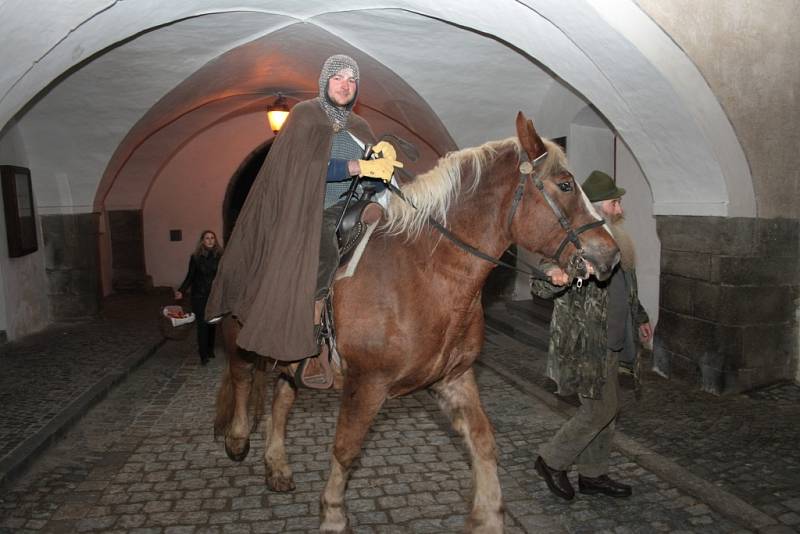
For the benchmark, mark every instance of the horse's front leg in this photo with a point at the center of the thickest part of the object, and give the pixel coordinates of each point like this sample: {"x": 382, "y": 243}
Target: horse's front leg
{"x": 459, "y": 398}
{"x": 276, "y": 463}
{"x": 234, "y": 396}
{"x": 361, "y": 400}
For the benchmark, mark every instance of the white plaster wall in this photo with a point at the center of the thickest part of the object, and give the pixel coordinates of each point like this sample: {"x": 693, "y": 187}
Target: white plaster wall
{"x": 571, "y": 39}
{"x": 556, "y": 110}
{"x": 26, "y": 291}
{"x": 746, "y": 51}
{"x": 189, "y": 191}
{"x": 641, "y": 224}
{"x": 23, "y": 284}
{"x": 590, "y": 148}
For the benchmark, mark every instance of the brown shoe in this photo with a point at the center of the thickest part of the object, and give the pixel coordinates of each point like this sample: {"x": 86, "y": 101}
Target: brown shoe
{"x": 556, "y": 480}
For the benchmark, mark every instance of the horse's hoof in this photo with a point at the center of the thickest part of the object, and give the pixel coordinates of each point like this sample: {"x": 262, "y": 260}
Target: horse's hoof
{"x": 240, "y": 456}
{"x": 333, "y": 519}
{"x": 278, "y": 482}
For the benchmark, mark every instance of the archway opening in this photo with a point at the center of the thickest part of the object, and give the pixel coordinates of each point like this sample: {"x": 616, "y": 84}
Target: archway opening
{"x": 239, "y": 187}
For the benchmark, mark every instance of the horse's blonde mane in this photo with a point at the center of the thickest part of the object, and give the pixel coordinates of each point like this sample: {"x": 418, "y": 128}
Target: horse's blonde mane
{"x": 434, "y": 191}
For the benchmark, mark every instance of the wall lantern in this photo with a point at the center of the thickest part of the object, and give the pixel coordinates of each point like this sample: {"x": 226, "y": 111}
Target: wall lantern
{"x": 277, "y": 113}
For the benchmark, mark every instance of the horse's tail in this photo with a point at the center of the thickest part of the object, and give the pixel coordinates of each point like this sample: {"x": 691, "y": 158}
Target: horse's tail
{"x": 241, "y": 368}
{"x": 258, "y": 392}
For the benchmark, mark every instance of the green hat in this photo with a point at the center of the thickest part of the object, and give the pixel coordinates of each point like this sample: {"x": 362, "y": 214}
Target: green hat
{"x": 600, "y": 186}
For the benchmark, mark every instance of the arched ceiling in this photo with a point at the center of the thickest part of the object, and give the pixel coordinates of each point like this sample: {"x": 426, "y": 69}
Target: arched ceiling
{"x": 91, "y": 83}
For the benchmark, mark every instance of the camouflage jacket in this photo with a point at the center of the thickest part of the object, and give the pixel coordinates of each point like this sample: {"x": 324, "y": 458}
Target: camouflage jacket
{"x": 577, "y": 359}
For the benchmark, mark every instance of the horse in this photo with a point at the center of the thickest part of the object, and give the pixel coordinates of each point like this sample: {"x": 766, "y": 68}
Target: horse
{"x": 411, "y": 316}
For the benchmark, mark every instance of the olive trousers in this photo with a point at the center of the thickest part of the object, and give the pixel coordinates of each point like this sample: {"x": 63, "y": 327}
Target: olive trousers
{"x": 585, "y": 440}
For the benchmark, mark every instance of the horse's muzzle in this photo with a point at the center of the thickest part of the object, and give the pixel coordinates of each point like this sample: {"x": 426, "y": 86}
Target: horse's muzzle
{"x": 602, "y": 269}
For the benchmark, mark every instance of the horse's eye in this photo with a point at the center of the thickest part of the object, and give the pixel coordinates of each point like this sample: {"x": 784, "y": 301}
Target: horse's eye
{"x": 565, "y": 187}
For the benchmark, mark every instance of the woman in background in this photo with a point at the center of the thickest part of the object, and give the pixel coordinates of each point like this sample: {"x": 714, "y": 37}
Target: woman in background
{"x": 202, "y": 269}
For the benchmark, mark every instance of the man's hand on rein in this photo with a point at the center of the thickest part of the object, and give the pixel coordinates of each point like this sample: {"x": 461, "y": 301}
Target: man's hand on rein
{"x": 557, "y": 276}
{"x": 381, "y": 168}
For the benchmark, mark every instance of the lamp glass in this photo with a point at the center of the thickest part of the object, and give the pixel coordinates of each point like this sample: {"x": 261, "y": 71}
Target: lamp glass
{"x": 276, "y": 119}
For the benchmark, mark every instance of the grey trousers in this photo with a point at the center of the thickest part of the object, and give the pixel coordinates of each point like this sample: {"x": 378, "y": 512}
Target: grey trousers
{"x": 585, "y": 439}
{"x": 328, "y": 249}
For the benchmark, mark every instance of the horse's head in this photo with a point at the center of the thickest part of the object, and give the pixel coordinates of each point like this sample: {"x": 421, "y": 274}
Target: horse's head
{"x": 553, "y": 216}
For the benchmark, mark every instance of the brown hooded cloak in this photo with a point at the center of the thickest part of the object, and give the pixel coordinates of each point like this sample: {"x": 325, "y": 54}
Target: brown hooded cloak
{"x": 267, "y": 276}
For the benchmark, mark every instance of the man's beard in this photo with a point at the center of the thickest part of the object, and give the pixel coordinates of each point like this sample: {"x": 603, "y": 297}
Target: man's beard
{"x": 627, "y": 252}
{"x": 344, "y": 105}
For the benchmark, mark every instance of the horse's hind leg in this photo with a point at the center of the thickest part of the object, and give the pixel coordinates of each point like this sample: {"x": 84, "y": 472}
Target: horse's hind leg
{"x": 361, "y": 400}
{"x": 278, "y": 472}
{"x": 459, "y": 398}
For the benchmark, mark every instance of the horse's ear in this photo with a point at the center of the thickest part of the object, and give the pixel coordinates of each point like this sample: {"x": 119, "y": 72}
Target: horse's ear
{"x": 528, "y": 137}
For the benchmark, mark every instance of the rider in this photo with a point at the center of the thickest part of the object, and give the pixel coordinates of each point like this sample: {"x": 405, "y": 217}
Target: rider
{"x": 282, "y": 253}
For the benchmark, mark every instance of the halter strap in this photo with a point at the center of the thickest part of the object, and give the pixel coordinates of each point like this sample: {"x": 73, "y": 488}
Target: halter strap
{"x": 527, "y": 168}
{"x": 527, "y": 171}
{"x": 523, "y": 177}
{"x": 532, "y": 271}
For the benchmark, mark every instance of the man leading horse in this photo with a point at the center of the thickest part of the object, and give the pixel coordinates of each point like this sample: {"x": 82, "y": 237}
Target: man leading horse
{"x": 283, "y": 252}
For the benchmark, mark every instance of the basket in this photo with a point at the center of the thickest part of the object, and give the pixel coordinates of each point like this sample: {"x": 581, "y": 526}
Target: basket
{"x": 172, "y": 327}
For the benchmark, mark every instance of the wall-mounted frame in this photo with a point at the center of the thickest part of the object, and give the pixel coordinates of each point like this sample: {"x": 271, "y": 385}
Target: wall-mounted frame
{"x": 20, "y": 215}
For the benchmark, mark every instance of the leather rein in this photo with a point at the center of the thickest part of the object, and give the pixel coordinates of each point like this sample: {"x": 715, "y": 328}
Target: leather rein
{"x": 526, "y": 169}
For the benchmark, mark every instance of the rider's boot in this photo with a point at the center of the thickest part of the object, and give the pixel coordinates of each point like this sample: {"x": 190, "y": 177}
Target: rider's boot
{"x": 316, "y": 372}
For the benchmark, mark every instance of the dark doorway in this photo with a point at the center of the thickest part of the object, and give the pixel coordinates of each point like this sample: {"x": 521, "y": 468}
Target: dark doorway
{"x": 499, "y": 287}
{"x": 239, "y": 186}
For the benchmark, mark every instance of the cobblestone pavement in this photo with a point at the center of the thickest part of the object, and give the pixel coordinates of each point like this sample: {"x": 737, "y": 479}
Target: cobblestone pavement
{"x": 145, "y": 460}
{"x": 747, "y": 445}
{"x": 49, "y": 378}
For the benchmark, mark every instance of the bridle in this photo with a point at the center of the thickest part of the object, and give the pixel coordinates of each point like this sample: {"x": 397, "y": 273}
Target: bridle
{"x": 526, "y": 169}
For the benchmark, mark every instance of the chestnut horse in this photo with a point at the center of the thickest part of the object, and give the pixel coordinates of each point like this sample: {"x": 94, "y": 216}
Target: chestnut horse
{"x": 411, "y": 317}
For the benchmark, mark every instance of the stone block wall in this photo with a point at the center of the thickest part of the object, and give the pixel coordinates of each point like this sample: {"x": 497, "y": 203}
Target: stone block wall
{"x": 729, "y": 300}
{"x": 72, "y": 264}
{"x": 127, "y": 251}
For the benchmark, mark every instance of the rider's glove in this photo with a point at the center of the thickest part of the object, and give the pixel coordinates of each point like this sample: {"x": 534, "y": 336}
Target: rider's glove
{"x": 382, "y": 168}
{"x": 384, "y": 149}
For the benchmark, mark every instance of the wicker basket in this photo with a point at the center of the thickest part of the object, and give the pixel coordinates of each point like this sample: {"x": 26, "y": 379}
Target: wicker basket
{"x": 177, "y": 329}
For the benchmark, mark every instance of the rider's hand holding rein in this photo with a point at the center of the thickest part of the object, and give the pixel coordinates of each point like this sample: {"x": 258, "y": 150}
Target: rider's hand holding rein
{"x": 384, "y": 149}
{"x": 382, "y": 167}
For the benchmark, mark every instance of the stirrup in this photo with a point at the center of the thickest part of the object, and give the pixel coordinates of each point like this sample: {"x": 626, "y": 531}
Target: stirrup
{"x": 316, "y": 376}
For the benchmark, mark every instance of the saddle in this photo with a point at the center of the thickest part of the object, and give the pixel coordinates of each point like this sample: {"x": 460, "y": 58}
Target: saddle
{"x": 320, "y": 371}
{"x": 357, "y": 219}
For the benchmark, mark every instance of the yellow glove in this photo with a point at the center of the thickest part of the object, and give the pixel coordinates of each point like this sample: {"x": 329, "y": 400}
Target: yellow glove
{"x": 381, "y": 168}
{"x": 384, "y": 149}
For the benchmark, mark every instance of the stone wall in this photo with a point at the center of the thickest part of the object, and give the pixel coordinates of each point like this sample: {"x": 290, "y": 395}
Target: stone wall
{"x": 127, "y": 251}
{"x": 72, "y": 264}
{"x": 728, "y": 300}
